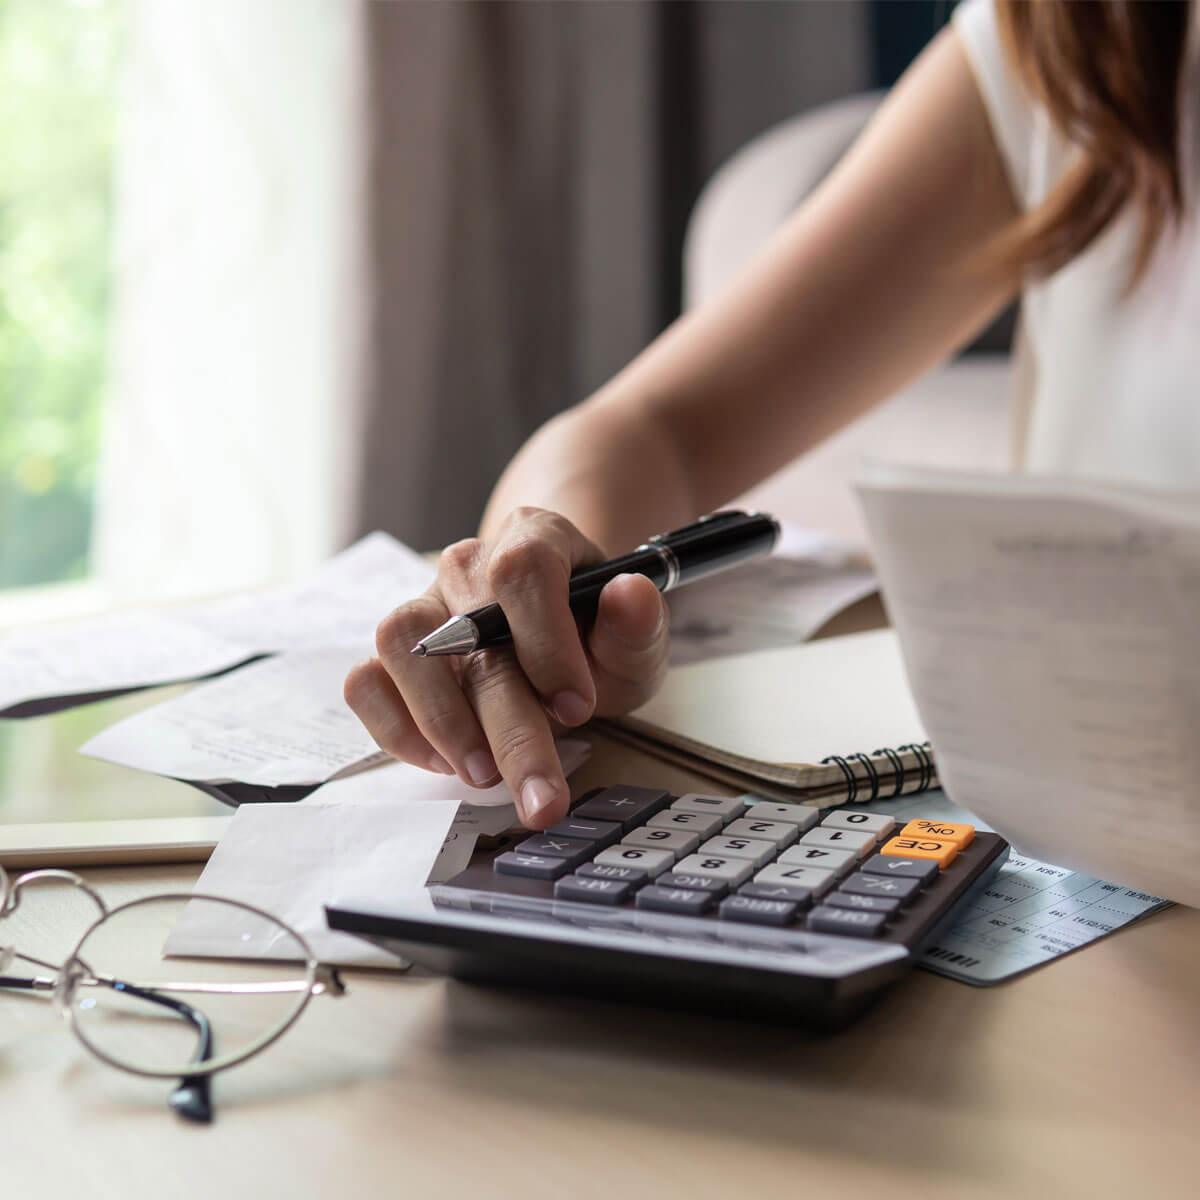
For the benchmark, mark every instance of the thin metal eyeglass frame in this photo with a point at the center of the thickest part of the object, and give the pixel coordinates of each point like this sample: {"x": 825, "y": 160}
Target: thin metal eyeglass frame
{"x": 318, "y": 980}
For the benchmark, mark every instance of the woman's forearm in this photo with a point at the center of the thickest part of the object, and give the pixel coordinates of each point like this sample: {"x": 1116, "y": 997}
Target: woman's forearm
{"x": 863, "y": 289}
{"x": 608, "y": 467}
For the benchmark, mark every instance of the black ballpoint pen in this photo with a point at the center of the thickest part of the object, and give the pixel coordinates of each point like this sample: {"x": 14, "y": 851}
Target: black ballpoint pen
{"x": 713, "y": 543}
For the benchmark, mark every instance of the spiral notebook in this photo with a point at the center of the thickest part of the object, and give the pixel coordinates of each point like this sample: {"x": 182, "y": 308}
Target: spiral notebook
{"x": 822, "y": 722}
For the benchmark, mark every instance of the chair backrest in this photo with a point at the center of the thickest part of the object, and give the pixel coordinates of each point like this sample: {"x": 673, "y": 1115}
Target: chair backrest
{"x": 956, "y": 416}
{"x": 753, "y": 193}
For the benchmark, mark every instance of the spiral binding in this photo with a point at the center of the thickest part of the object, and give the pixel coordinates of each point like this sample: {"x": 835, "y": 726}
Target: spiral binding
{"x": 899, "y": 774}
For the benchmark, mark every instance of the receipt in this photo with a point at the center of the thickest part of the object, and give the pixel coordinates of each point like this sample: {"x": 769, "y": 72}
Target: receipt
{"x": 340, "y": 603}
{"x": 774, "y": 601}
{"x": 55, "y": 666}
{"x": 280, "y": 721}
{"x": 378, "y": 834}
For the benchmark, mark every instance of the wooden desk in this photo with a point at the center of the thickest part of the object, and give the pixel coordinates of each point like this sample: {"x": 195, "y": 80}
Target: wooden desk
{"x": 1076, "y": 1080}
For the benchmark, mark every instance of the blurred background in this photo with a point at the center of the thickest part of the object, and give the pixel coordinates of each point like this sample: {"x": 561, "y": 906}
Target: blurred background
{"x": 277, "y": 272}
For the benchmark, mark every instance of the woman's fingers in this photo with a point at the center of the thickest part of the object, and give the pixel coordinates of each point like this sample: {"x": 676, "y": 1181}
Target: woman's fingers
{"x": 490, "y": 715}
{"x": 628, "y": 644}
{"x": 373, "y": 698}
{"x": 431, "y": 691}
{"x": 519, "y": 733}
{"x": 529, "y": 569}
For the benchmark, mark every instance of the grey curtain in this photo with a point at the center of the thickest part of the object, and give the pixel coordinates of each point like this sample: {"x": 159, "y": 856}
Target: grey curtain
{"x": 531, "y": 170}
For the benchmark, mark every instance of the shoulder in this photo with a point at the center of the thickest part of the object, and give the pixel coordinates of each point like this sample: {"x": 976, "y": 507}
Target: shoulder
{"x": 1017, "y": 120}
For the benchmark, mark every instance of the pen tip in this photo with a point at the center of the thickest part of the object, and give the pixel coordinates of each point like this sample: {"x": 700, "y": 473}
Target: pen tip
{"x": 418, "y": 650}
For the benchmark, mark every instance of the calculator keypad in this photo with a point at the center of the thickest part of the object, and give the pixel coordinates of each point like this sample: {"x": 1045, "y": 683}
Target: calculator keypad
{"x": 653, "y": 862}
{"x": 751, "y": 849}
{"x": 628, "y": 806}
{"x": 679, "y": 841}
{"x": 724, "y": 858}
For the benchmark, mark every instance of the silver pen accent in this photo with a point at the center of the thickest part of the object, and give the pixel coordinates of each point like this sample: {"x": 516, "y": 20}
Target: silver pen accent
{"x": 712, "y": 543}
{"x": 459, "y": 635}
{"x": 669, "y": 560}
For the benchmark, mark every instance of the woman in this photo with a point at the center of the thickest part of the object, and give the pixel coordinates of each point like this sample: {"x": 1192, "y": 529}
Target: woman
{"x": 1043, "y": 147}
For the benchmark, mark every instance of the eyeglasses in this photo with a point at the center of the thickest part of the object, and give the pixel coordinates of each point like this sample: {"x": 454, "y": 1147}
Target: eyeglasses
{"x": 130, "y": 1002}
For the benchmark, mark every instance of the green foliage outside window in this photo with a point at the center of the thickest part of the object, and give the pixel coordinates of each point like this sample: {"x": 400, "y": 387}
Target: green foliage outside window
{"x": 58, "y": 93}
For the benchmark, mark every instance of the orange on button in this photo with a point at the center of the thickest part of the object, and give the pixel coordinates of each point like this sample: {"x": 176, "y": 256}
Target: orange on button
{"x": 942, "y": 853}
{"x": 942, "y": 831}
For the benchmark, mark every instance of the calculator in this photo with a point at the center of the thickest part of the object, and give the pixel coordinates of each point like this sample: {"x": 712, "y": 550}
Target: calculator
{"x": 733, "y": 904}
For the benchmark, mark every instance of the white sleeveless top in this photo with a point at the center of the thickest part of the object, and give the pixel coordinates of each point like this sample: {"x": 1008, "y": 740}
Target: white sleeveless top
{"x": 1108, "y": 384}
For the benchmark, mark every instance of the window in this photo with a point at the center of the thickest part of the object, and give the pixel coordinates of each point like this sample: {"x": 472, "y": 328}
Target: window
{"x": 58, "y": 76}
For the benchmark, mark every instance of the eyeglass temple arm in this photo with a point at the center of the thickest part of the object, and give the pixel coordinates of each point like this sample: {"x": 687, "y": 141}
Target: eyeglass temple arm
{"x": 192, "y": 1099}
{"x": 42, "y": 983}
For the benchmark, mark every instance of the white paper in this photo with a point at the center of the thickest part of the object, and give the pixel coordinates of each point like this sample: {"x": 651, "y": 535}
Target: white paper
{"x": 378, "y": 835}
{"x": 774, "y": 601}
{"x": 290, "y": 860}
{"x": 490, "y": 810}
{"x": 1050, "y": 635}
{"x": 116, "y": 651}
{"x": 341, "y": 603}
{"x": 279, "y": 721}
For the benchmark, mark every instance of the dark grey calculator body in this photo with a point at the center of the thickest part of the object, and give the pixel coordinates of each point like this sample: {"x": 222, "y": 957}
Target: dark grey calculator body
{"x": 714, "y": 903}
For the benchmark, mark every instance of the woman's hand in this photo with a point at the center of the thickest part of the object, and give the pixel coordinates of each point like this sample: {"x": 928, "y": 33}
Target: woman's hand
{"x": 494, "y": 713}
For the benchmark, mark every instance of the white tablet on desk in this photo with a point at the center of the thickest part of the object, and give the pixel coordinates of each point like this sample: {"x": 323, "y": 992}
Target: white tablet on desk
{"x": 60, "y": 809}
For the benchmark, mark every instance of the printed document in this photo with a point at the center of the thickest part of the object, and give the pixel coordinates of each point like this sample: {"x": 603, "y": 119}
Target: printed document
{"x": 768, "y": 602}
{"x": 1049, "y": 629}
{"x": 280, "y": 721}
{"x": 57, "y": 665}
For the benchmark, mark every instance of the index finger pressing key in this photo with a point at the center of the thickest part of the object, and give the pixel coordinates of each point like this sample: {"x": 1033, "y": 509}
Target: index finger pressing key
{"x": 520, "y": 735}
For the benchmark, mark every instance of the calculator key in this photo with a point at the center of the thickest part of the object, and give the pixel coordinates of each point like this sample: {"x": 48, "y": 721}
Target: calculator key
{"x": 757, "y": 911}
{"x": 942, "y": 853}
{"x": 801, "y": 897}
{"x": 653, "y": 862}
{"x": 593, "y": 891}
{"x": 531, "y": 866}
{"x": 631, "y": 875}
{"x": 698, "y": 883}
{"x": 923, "y": 869}
{"x": 726, "y": 807}
{"x": 704, "y": 825}
{"x": 803, "y": 816}
{"x": 675, "y": 900}
{"x": 572, "y": 849}
{"x": 840, "y": 839}
{"x": 817, "y": 881}
{"x": 879, "y": 904}
{"x": 782, "y": 833}
{"x": 895, "y": 887}
{"x": 757, "y": 852}
{"x": 678, "y": 841}
{"x": 878, "y": 824}
{"x": 826, "y": 919}
{"x": 959, "y": 835}
{"x": 828, "y": 859}
{"x": 599, "y": 833}
{"x": 716, "y": 866}
{"x": 629, "y": 806}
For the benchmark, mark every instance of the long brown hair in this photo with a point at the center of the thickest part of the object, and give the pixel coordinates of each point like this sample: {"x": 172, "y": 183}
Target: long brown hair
{"x": 1109, "y": 73}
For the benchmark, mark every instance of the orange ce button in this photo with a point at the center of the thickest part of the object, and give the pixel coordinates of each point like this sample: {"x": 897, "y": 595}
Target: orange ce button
{"x": 943, "y": 853}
